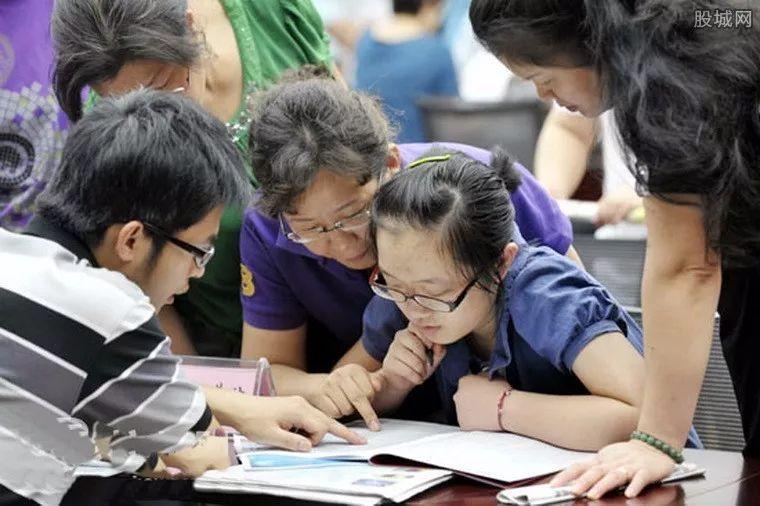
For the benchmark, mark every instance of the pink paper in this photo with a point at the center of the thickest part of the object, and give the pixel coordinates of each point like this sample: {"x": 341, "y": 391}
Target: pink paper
{"x": 232, "y": 378}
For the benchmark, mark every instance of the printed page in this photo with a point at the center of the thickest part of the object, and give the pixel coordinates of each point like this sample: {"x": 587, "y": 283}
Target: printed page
{"x": 205, "y": 485}
{"x": 393, "y": 432}
{"x": 353, "y": 478}
{"x": 494, "y": 455}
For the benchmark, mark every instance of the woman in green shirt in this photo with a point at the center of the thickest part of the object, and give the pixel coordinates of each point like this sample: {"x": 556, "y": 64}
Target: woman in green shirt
{"x": 216, "y": 51}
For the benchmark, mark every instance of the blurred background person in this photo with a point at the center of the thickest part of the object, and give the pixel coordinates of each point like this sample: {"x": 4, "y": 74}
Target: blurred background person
{"x": 564, "y": 157}
{"x": 345, "y": 21}
{"x": 404, "y": 58}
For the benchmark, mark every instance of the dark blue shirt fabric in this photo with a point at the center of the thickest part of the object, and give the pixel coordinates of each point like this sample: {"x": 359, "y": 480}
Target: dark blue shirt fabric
{"x": 401, "y": 73}
{"x": 551, "y": 309}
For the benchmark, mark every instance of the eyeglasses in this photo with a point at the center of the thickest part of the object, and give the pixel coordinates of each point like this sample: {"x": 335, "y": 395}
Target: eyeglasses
{"x": 431, "y": 303}
{"x": 200, "y": 255}
{"x": 353, "y": 222}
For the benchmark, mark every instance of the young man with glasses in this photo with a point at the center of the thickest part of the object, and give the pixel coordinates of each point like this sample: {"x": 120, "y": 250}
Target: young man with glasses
{"x": 130, "y": 216}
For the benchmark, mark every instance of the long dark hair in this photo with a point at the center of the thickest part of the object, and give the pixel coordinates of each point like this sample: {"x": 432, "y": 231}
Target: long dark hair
{"x": 539, "y": 32}
{"x": 467, "y": 201}
{"x": 686, "y": 99}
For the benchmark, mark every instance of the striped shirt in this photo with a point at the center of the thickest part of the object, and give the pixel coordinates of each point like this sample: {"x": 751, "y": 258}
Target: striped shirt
{"x": 81, "y": 358}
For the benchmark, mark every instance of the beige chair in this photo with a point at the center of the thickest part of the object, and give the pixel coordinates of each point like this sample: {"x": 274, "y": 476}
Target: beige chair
{"x": 717, "y": 418}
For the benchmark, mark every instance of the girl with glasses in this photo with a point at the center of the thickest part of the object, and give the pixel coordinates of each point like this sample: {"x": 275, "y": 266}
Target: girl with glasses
{"x": 522, "y": 339}
{"x": 320, "y": 152}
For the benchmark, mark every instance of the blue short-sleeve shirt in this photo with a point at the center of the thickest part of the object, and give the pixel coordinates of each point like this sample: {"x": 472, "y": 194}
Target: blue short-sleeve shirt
{"x": 399, "y": 73}
{"x": 284, "y": 285}
{"x": 551, "y": 309}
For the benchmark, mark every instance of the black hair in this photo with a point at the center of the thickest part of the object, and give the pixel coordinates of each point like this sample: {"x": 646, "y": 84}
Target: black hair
{"x": 151, "y": 156}
{"x": 686, "y": 99}
{"x": 94, "y": 38}
{"x": 301, "y": 127}
{"x": 407, "y": 6}
{"x": 538, "y": 32}
{"x": 467, "y": 201}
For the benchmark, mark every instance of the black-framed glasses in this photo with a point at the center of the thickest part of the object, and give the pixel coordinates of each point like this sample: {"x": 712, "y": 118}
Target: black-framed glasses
{"x": 376, "y": 281}
{"x": 200, "y": 255}
{"x": 353, "y": 222}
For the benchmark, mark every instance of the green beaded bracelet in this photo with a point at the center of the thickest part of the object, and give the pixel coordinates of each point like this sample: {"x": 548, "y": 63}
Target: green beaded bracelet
{"x": 659, "y": 444}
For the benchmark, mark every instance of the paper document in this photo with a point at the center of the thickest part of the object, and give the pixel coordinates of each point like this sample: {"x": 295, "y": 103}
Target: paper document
{"x": 393, "y": 432}
{"x": 358, "y": 479}
{"x": 493, "y": 455}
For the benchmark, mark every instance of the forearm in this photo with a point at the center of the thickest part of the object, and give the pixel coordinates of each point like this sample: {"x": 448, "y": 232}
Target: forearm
{"x": 208, "y": 453}
{"x": 678, "y": 325}
{"x": 359, "y": 355}
{"x": 680, "y": 292}
{"x": 579, "y": 422}
{"x": 390, "y": 398}
{"x": 562, "y": 152}
{"x": 292, "y": 381}
{"x": 225, "y": 406}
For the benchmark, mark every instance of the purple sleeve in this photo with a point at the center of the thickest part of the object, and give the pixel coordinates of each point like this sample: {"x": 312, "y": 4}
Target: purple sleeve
{"x": 538, "y": 215}
{"x": 268, "y": 301}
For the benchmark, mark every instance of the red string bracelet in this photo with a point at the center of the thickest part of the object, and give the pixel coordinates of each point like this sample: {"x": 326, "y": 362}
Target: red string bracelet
{"x": 500, "y": 406}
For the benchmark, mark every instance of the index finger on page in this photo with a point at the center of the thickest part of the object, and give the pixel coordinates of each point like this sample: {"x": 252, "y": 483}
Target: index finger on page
{"x": 343, "y": 432}
{"x": 367, "y": 412}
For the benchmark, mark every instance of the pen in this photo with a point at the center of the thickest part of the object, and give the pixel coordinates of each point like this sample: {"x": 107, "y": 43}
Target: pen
{"x": 429, "y": 355}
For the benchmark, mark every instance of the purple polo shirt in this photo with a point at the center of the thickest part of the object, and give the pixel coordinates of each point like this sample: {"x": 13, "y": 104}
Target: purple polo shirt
{"x": 284, "y": 284}
{"x": 32, "y": 125}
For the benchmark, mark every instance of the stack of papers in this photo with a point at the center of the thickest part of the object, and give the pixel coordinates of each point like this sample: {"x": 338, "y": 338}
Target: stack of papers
{"x": 336, "y": 471}
{"x": 322, "y": 480}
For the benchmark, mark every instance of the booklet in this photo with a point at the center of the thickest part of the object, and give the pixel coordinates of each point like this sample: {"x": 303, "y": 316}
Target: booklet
{"x": 344, "y": 482}
{"x": 496, "y": 457}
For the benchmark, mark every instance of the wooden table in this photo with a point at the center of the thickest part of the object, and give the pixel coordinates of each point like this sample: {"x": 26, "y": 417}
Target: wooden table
{"x": 730, "y": 480}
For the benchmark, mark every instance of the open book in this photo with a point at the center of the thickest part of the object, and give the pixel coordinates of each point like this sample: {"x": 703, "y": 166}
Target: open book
{"x": 495, "y": 457}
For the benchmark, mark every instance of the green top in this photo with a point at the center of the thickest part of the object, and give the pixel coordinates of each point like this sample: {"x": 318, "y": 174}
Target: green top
{"x": 272, "y": 36}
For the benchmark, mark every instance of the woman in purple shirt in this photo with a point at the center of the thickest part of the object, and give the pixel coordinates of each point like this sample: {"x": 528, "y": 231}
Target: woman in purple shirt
{"x": 320, "y": 152}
